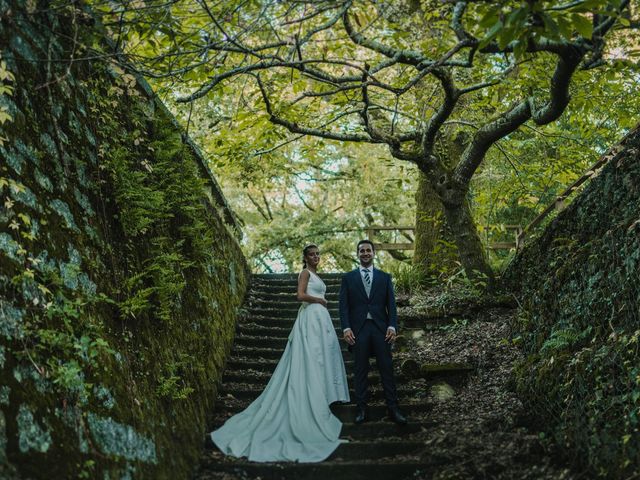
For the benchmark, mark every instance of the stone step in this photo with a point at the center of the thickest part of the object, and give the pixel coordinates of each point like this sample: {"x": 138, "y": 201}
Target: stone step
{"x": 284, "y": 311}
{"x": 267, "y": 353}
{"x": 289, "y": 302}
{"x": 293, "y": 284}
{"x": 383, "y": 428}
{"x": 262, "y": 364}
{"x": 282, "y": 319}
{"x": 345, "y": 412}
{"x": 288, "y": 288}
{"x": 377, "y": 410}
{"x": 261, "y": 378}
{"x": 252, "y": 391}
{"x": 250, "y": 365}
{"x": 257, "y": 330}
{"x": 374, "y": 450}
{"x": 293, "y": 277}
{"x": 285, "y": 320}
{"x": 288, "y": 297}
{"x": 426, "y": 323}
{"x": 335, "y": 470}
{"x": 452, "y": 373}
{"x": 280, "y": 322}
{"x": 269, "y": 342}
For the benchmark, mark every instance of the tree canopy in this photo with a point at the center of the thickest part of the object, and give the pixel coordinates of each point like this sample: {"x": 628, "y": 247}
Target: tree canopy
{"x": 398, "y": 74}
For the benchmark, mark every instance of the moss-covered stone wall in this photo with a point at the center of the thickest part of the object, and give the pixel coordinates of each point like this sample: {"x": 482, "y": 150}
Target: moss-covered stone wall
{"x": 579, "y": 284}
{"x": 120, "y": 269}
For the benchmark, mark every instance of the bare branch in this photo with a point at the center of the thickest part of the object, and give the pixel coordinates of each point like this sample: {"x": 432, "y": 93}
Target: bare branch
{"x": 410, "y": 57}
{"x": 261, "y": 211}
{"x": 451, "y": 95}
{"x": 295, "y": 128}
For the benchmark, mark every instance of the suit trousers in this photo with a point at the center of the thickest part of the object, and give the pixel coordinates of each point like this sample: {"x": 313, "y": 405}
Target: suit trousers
{"x": 370, "y": 340}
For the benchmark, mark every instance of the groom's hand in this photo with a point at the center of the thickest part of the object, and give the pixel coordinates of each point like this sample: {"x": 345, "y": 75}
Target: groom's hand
{"x": 390, "y": 337}
{"x": 349, "y": 337}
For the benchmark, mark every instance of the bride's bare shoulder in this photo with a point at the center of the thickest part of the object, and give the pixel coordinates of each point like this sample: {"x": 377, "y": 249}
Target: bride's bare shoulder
{"x": 304, "y": 275}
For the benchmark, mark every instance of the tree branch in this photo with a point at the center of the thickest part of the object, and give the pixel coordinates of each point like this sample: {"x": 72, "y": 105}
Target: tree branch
{"x": 434, "y": 124}
{"x": 509, "y": 121}
{"x": 295, "y": 128}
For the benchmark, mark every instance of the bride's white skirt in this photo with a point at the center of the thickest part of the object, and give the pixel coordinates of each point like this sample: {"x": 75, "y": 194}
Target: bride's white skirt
{"x": 291, "y": 420}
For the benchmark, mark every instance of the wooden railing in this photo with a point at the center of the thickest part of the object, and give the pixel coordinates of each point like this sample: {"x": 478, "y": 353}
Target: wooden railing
{"x": 373, "y": 230}
{"x": 561, "y": 200}
{"x": 508, "y": 245}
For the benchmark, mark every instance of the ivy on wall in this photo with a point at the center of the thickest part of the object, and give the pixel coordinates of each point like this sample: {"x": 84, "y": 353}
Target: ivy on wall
{"x": 119, "y": 279}
{"x": 580, "y": 322}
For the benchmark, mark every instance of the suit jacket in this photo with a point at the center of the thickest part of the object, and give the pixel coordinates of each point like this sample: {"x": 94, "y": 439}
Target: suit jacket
{"x": 355, "y": 305}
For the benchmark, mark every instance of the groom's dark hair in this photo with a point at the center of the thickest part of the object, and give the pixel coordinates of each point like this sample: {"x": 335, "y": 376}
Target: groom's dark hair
{"x": 373, "y": 247}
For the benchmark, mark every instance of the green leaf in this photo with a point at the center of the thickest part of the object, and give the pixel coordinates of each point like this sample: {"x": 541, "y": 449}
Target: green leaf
{"x": 583, "y": 25}
{"x": 551, "y": 27}
{"x": 588, "y": 6}
{"x": 519, "y": 49}
{"x": 517, "y": 18}
{"x": 505, "y": 36}
{"x": 565, "y": 27}
{"x": 491, "y": 34}
{"x": 489, "y": 18}
{"x": 624, "y": 21}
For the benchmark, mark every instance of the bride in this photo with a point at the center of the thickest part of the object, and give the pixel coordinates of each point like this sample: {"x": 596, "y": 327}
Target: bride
{"x": 291, "y": 420}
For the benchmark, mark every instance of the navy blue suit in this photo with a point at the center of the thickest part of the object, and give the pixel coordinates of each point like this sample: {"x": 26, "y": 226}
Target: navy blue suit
{"x": 355, "y": 306}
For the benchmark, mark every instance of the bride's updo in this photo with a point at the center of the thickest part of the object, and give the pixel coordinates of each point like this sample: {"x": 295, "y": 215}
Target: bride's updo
{"x": 305, "y": 250}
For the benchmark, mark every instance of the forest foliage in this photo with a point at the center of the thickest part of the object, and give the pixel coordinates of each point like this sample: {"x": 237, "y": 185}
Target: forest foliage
{"x": 291, "y": 188}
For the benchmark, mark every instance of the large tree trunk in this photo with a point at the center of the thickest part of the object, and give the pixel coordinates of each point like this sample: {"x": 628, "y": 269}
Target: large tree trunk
{"x": 435, "y": 246}
{"x": 470, "y": 248}
{"x": 434, "y": 250}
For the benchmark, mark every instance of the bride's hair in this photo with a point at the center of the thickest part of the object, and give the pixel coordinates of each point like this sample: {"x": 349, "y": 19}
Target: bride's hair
{"x": 305, "y": 250}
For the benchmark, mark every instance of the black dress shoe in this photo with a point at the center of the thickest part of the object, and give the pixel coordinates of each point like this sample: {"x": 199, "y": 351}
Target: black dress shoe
{"x": 361, "y": 415}
{"x": 397, "y": 416}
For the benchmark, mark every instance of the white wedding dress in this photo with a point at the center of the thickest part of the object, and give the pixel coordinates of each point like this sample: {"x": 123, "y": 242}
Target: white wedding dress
{"x": 291, "y": 420}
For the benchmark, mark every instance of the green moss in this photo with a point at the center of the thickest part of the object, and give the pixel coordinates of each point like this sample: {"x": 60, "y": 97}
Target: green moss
{"x": 5, "y": 390}
{"x": 114, "y": 438}
{"x": 83, "y": 201}
{"x": 128, "y": 282}
{"x": 31, "y": 435}
{"x": 72, "y": 418}
{"x": 104, "y": 395}
{"x": 27, "y": 372}
{"x": 578, "y": 284}
{"x": 3, "y": 441}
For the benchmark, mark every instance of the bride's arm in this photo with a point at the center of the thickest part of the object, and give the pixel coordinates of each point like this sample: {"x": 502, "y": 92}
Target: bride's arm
{"x": 303, "y": 281}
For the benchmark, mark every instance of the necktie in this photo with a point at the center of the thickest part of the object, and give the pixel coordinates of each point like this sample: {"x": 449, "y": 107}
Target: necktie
{"x": 367, "y": 277}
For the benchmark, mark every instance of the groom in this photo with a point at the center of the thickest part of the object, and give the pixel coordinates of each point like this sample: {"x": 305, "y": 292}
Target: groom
{"x": 369, "y": 322}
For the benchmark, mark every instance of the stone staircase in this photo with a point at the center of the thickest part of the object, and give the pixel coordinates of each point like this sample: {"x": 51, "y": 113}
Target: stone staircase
{"x": 377, "y": 449}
